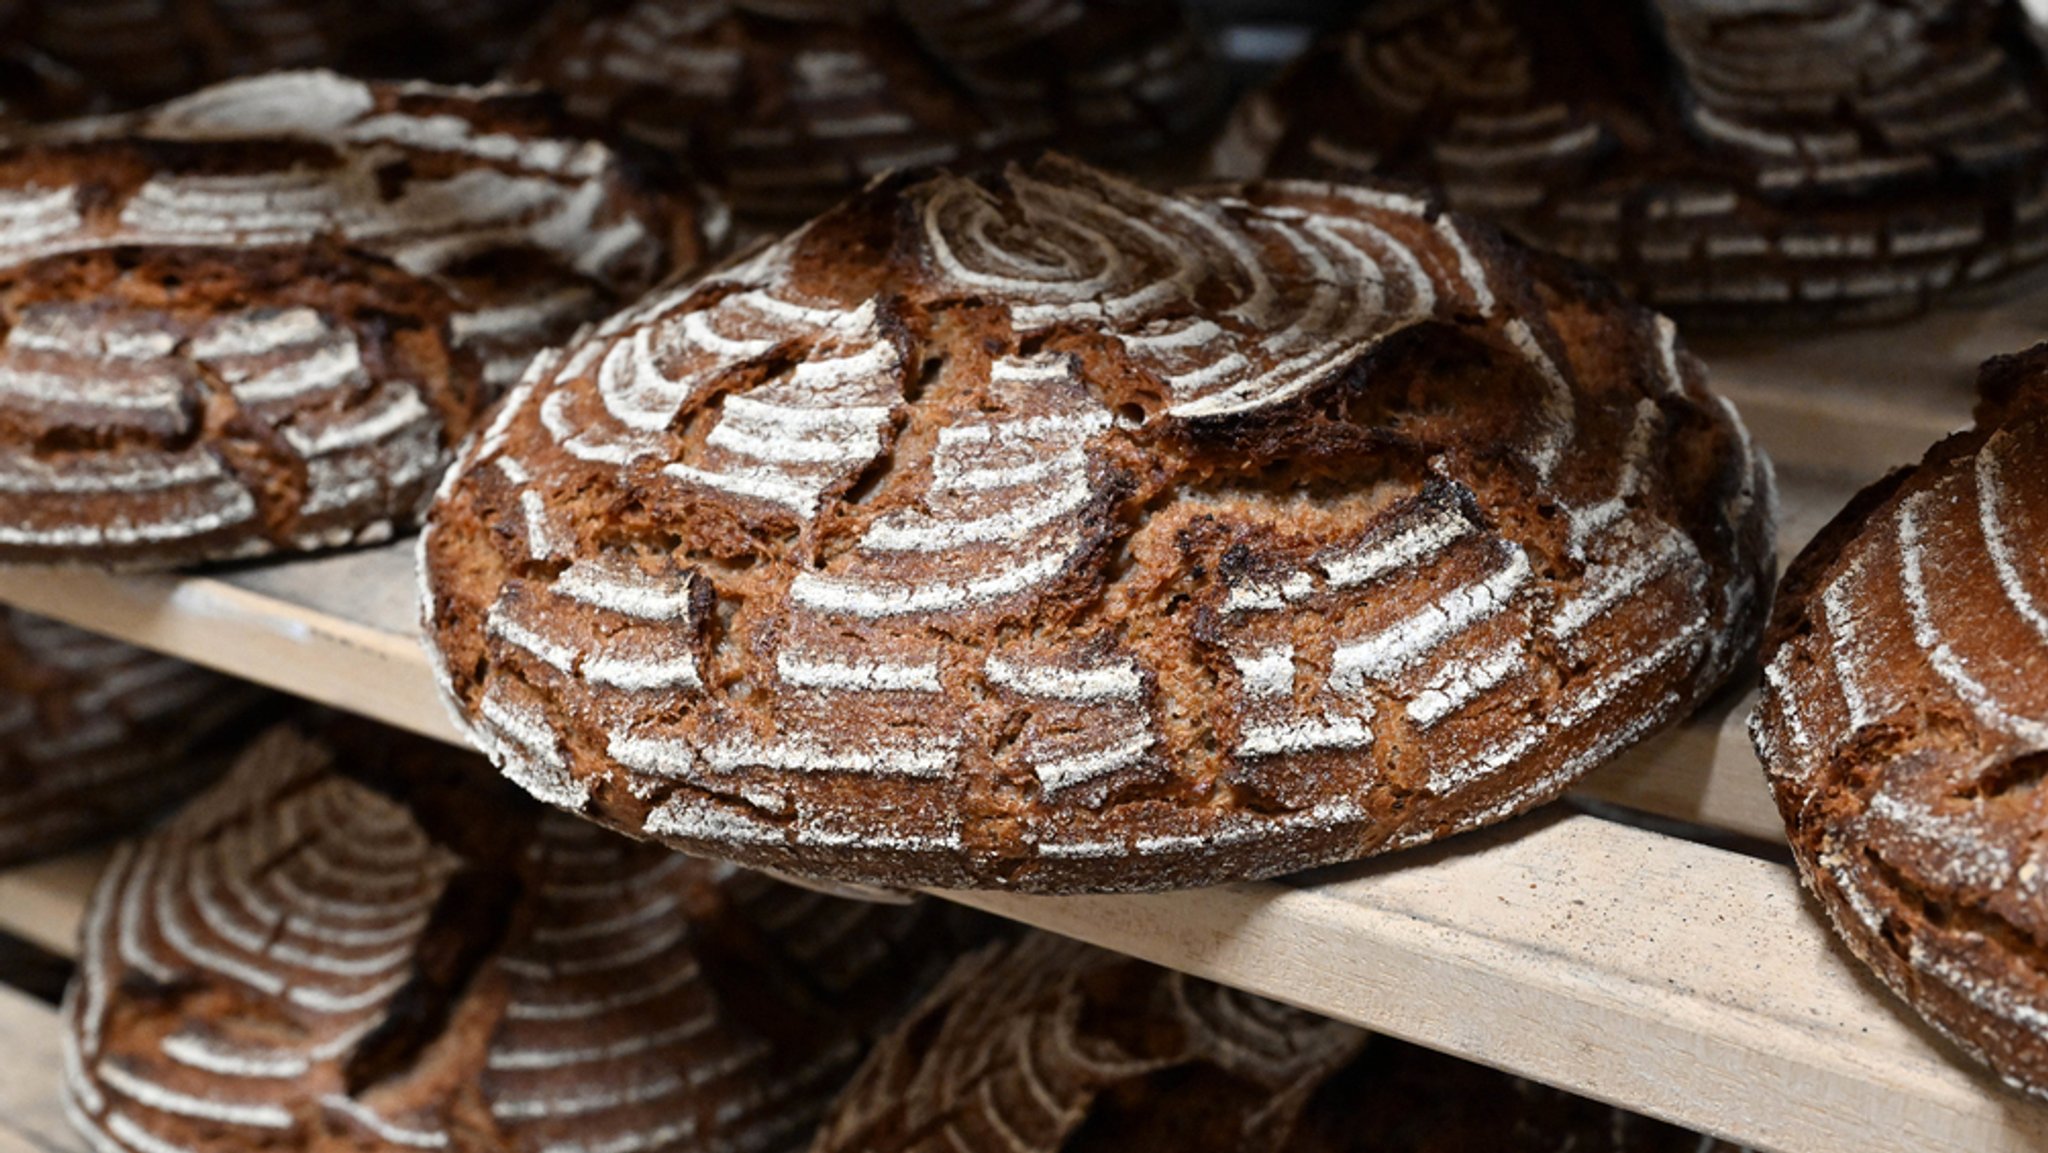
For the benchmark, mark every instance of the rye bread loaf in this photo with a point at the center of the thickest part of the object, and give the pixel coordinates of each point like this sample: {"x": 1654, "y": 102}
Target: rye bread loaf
{"x": 166, "y": 405}
{"x": 790, "y": 106}
{"x": 1049, "y": 1046}
{"x": 143, "y": 50}
{"x": 97, "y": 736}
{"x": 1041, "y": 531}
{"x": 534, "y": 227}
{"x": 301, "y": 961}
{"x": 1904, "y": 724}
{"x": 1795, "y": 161}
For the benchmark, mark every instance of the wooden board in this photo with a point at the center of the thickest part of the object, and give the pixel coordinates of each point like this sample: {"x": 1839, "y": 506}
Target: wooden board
{"x": 31, "y": 1118}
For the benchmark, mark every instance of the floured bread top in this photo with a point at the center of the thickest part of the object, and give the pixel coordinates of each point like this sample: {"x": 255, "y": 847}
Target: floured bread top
{"x": 791, "y": 105}
{"x": 1050, "y": 1046}
{"x": 95, "y": 735}
{"x": 1046, "y": 532}
{"x": 1904, "y": 722}
{"x": 1798, "y": 159}
{"x": 1047, "y": 1044}
{"x": 166, "y": 405}
{"x": 303, "y": 963}
{"x": 142, "y": 50}
{"x": 534, "y": 229}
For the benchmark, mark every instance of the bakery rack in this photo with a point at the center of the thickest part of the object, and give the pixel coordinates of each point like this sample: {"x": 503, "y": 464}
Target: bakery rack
{"x": 1666, "y": 961}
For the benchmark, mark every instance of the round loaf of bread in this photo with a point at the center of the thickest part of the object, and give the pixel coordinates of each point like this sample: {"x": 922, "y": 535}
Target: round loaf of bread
{"x": 534, "y": 228}
{"x": 96, "y": 736}
{"x": 1904, "y": 723}
{"x": 143, "y": 50}
{"x": 165, "y": 405}
{"x": 791, "y": 105}
{"x": 1045, "y": 1045}
{"x": 1799, "y": 161}
{"x": 1041, "y": 531}
{"x": 300, "y": 962}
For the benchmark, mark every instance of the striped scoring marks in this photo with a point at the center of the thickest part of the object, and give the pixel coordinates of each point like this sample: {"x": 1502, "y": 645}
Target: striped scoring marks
{"x": 250, "y": 973}
{"x": 150, "y": 433}
{"x": 295, "y": 895}
{"x": 1019, "y": 1049}
{"x": 1797, "y": 171}
{"x": 95, "y": 735}
{"x": 484, "y": 189}
{"x": 1904, "y": 719}
{"x": 1012, "y": 570}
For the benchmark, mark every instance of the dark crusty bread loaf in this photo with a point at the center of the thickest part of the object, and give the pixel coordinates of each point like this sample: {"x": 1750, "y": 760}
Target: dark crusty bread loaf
{"x": 298, "y": 962}
{"x": 1045, "y": 1044}
{"x": 1904, "y": 723}
{"x": 97, "y": 736}
{"x": 1044, "y": 532}
{"x": 790, "y": 106}
{"x": 142, "y": 50}
{"x": 1795, "y": 161}
{"x": 1049, "y": 1046}
{"x": 534, "y": 227}
{"x": 165, "y": 405}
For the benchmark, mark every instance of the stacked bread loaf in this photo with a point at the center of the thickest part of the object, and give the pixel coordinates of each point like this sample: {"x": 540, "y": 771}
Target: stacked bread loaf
{"x": 1779, "y": 162}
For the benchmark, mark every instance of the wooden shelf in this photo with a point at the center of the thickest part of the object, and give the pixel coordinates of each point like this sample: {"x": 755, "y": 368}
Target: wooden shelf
{"x": 31, "y": 1116}
{"x": 1644, "y": 968}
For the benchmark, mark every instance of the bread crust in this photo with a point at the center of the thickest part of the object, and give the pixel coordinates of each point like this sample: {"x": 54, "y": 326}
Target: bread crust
{"x": 1039, "y": 531}
{"x": 1904, "y": 717}
{"x": 303, "y": 960}
{"x": 97, "y": 736}
{"x": 789, "y": 105}
{"x": 1820, "y": 162}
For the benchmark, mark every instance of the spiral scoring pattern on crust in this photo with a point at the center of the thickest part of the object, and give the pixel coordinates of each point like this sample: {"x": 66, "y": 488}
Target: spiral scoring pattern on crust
{"x": 1904, "y": 723}
{"x": 247, "y": 970}
{"x": 96, "y": 735}
{"x": 534, "y": 229}
{"x": 1021, "y": 1043}
{"x": 793, "y": 105}
{"x": 1050, "y": 1046}
{"x": 1052, "y": 533}
{"x": 197, "y": 368}
{"x": 1808, "y": 158}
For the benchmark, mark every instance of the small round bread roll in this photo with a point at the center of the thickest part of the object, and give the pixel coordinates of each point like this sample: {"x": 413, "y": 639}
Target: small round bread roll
{"x": 1753, "y": 164}
{"x": 96, "y": 736}
{"x": 1040, "y": 531}
{"x": 1045, "y": 1045}
{"x": 789, "y": 106}
{"x": 1904, "y": 724}
{"x": 300, "y": 961}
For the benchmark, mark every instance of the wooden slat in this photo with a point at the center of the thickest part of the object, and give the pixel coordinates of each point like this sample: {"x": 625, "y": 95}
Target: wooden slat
{"x": 31, "y": 1117}
{"x": 1677, "y": 979}
{"x": 44, "y": 902}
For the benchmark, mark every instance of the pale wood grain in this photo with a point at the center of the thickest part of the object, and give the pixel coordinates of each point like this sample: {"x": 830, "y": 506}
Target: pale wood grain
{"x": 1677, "y": 979}
{"x": 31, "y": 1117}
{"x": 43, "y": 903}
